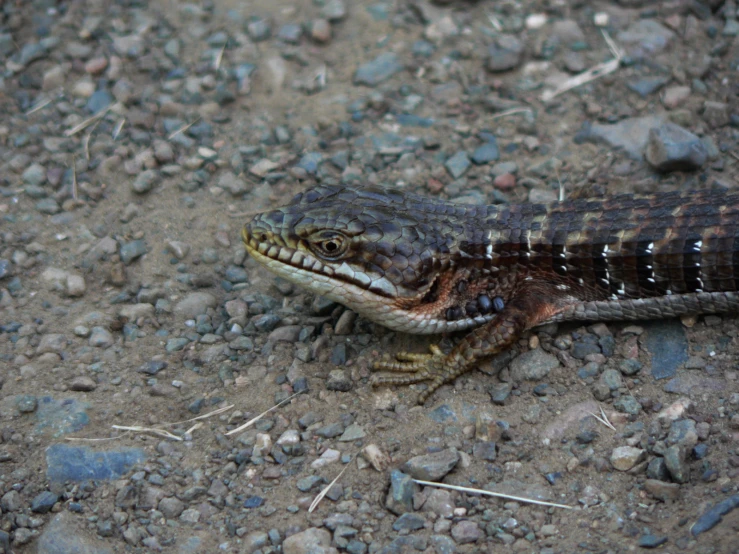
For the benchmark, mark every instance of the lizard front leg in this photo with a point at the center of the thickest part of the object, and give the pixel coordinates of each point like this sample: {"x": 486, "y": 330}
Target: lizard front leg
{"x": 439, "y": 368}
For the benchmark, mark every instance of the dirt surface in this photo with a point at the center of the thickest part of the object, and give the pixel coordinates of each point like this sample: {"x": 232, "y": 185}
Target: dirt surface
{"x": 136, "y": 139}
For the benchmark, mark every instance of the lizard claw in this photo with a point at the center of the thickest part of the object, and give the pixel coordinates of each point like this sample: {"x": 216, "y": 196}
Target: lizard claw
{"x": 433, "y": 367}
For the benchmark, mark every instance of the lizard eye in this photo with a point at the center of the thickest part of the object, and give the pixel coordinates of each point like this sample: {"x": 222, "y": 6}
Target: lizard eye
{"x": 329, "y": 244}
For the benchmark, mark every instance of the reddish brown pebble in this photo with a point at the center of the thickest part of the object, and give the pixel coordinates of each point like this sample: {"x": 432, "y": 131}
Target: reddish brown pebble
{"x": 506, "y": 181}
{"x": 96, "y": 65}
{"x": 434, "y": 185}
{"x": 320, "y": 30}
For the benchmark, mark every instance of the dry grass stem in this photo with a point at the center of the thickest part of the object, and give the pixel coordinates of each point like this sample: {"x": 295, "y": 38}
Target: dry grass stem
{"x": 603, "y": 418}
{"x": 40, "y": 106}
{"x": 118, "y": 128}
{"x": 595, "y": 72}
{"x": 75, "y": 194}
{"x": 182, "y": 129}
{"x": 88, "y": 136}
{"x": 325, "y": 490}
{"x": 260, "y": 416}
{"x": 89, "y": 121}
{"x": 219, "y": 58}
{"x": 153, "y": 430}
{"x": 512, "y": 111}
{"x": 495, "y": 494}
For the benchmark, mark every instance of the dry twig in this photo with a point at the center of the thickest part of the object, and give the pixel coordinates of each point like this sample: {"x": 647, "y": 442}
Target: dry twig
{"x": 490, "y": 493}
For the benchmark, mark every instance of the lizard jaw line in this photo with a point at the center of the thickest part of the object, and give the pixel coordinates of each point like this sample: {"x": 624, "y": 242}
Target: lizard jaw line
{"x": 377, "y": 308}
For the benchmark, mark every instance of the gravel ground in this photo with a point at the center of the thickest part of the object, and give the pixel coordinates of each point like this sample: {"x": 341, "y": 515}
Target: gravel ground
{"x": 136, "y": 139}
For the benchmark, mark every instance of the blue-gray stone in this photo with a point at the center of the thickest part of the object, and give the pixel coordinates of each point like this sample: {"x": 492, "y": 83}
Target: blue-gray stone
{"x": 290, "y": 32}
{"x": 647, "y": 85}
{"x": 310, "y": 162}
{"x": 423, "y": 49}
{"x": 710, "y": 518}
{"x": 43, "y": 502}
{"x": 66, "y": 462}
{"x": 443, "y": 414}
{"x": 652, "y": 541}
{"x": 99, "y": 100}
{"x": 258, "y": 29}
{"x": 64, "y": 534}
{"x": 411, "y": 120}
{"x": 34, "y": 175}
{"x": 486, "y": 153}
{"x": 30, "y": 53}
{"x": 409, "y": 521}
{"x": 629, "y": 366}
{"x": 666, "y": 342}
{"x": 59, "y": 417}
{"x": 378, "y": 70}
{"x": 27, "y": 403}
{"x": 399, "y": 498}
{"x": 145, "y": 181}
{"x": 176, "y": 344}
{"x": 266, "y": 322}
{"x": 48, "y": 206}
{"x": 236, "y": 274}
{"x": 253, "y": 502}
{"x": 458, "y": 164}
{"x": 627, "y": 405}
{"x": 379, "y": 12}
{"x": 308, "y": 483}
{"x": 4, "y": 267}
{"x": 133, "y": 250}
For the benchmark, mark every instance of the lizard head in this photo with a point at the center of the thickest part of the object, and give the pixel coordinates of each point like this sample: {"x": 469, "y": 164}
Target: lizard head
{"x": 385, "y": 254}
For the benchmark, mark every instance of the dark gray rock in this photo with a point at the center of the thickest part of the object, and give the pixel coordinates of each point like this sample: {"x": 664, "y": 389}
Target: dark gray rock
{"x": 409, "y": 521}
{"x": 666, "y": 342}
{"x": 675, "y": 461}
{"x": 432, "y": 467}
{"x": 648, "y": 85}
{"x": 399, "y": 498}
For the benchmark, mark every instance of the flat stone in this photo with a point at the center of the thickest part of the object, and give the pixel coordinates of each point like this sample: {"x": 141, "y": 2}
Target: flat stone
{"x": 631, "y": 135}
{"x": 65, "y": 534}
{"x": 673, "y": 148}
{"x": 79, "y": 463}
{"x": 667, "y": 345}
{"x": 713, "y": 515}
{"x": 432, "y": 467}
{"x": 458, "y": 164}
{"x": 378, "y": 70}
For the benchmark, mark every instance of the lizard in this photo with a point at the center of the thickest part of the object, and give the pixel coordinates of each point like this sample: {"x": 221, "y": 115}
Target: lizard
{"x": 427, "y": 266}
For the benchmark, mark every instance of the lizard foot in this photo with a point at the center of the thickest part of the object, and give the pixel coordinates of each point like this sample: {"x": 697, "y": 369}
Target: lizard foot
{"x": 433, "y": 367}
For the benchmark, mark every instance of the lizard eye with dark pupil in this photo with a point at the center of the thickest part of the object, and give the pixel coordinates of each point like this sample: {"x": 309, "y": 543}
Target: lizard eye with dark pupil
{"x": 331, "y": 247}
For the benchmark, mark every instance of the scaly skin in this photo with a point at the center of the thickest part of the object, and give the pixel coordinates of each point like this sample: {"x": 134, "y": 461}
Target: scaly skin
{"x": 423, "y": 265}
